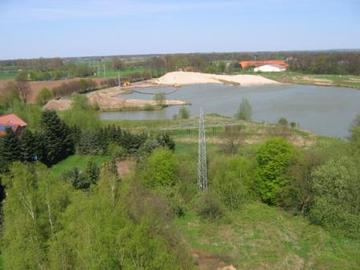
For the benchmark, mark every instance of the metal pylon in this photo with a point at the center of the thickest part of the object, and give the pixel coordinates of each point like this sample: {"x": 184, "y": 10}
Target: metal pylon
{"x": 202, "y": 162}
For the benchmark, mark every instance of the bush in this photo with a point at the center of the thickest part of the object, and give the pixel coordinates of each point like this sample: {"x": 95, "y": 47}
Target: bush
{"x": 298, "y": 196}
{"x": 245, "y": 110}
{"x": 283, "y": 122}
{"x": 44, "y": 96}
{"x": 232, "y": 181}
{"x": 209, "y": 206}
{"x": 161, "y": 168}
{"x": 273, "y": 159}
{"x": 184, "y": 113}
{"x": 336, "y": 187}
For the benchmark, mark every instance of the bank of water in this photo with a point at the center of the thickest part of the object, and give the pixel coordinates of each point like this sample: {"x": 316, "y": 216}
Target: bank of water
{"x": 323, "y": 110}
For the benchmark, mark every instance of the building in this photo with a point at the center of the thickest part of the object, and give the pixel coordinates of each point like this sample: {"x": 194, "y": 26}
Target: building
{"x": 254, "y": 64}
{"x": 269, "y": 68}
{"x": 11, "y": 121}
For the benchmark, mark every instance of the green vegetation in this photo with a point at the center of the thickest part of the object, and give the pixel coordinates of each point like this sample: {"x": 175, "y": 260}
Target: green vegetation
{"x": 77, "y": 161}
{"x": 352, "y": 81}
{"x": 258, "y": 236}
{"x": 184, "y": 113}
{"x": 87, "y": 211}
{"x": 245, "y": 111}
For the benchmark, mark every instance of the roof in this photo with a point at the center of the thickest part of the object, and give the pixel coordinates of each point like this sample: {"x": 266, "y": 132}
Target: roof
{"x": 281, "y": 63}
{"x": 11, "y": 120}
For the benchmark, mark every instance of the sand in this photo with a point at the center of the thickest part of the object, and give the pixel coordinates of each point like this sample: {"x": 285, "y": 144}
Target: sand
{"x": 180, "y": 78}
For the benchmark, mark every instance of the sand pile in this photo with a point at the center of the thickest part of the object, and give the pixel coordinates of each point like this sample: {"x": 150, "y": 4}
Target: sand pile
{"x": 180, "y": 78}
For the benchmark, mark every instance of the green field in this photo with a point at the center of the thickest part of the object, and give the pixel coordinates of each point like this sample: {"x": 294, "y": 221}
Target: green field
{"x": 4, "y": 75}
{"x": 78, "y": 161}
{"x": 351, "y": 81}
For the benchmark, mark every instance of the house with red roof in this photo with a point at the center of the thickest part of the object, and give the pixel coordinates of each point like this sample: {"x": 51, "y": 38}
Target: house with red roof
{"x": 279, "y": 63}
{"x": 12, "y": 121}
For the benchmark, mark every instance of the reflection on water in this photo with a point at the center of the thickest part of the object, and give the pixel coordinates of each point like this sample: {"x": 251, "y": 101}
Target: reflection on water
{"x": 324, "y": 110}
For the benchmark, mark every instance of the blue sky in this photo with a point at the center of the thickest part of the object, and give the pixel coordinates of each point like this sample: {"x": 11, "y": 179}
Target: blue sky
{"x": 40, "y": 28}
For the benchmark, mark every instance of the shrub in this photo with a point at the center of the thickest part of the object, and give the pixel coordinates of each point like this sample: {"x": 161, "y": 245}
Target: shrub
{"x": 184, "y": 113}
{"x": 44, "y": 96}
{"x": 336, "y": 196}
{"x": 232, "y": 181}
{"x": 209, "y": 206}
{"x": 161, "y": 168}
{"x": 283, "y": 122}
{"x": 273, "y": 159}
{"x": 299, "y": 194}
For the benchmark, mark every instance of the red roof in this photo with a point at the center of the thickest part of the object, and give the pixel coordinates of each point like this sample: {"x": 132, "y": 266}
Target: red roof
{"x": 11, "y": 120}
{"x": 281, "y": 63}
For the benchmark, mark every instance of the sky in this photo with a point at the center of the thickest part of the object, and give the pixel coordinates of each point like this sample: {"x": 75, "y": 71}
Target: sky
{"x": 67, "y": 28}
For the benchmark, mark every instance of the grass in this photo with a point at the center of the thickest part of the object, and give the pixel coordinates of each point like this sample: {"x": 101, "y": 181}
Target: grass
{"x": 7, "y": 75}
{"x": 79, "y": 161}
{"x": 351, "y": 81}
{"x": 263, "y": 237}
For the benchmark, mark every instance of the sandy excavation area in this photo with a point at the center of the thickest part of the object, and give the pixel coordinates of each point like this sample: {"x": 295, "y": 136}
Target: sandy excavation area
{"x": 110, "y": 99}
{"x": 179, "y": 78}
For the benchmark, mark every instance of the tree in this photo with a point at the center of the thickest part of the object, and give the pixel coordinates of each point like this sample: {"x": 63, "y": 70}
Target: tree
{"x": 273, "y": 159}
{"x": 29, "y": 146}
{"x": 283, "y": 122}
{"x": 184, "y": 113}
{"x": 44, "y": 96}
{"x": 245, "y": 110}
{"x": 57, "y": 138}
{"x": 160, "y": 99}
{"x": 118, "y": 64}
{"x": 232, "y": 138}
{"x": 35, "y": 201}
{"x": 11, "y": 150}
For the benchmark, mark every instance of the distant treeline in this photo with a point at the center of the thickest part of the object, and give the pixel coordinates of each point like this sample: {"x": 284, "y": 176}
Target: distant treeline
{"x": 326, "y": 62}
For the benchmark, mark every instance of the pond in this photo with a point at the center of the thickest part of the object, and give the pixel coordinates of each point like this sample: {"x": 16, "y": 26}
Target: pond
{"x": 323, "y": 110}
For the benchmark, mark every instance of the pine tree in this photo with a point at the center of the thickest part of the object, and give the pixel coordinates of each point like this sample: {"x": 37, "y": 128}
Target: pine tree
{"x": 11, "y": 150}
{"x": 58, "y": 141}
{"x": 28, "y": 146}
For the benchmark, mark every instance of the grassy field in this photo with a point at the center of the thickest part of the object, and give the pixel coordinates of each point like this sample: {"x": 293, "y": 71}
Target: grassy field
{"x": 78, "y": 161}
{"x": 5, "y": 75}
{"x": 351, "y": 81}
{"x": 263, "y": 237}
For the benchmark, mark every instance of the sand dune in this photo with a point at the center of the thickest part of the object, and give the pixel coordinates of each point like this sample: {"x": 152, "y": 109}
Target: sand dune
{"x": 180, "y": 78}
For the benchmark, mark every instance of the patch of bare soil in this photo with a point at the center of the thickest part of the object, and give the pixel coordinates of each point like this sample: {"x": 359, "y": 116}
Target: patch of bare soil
{"x": 206, "y": 261}
{"x": 125, "y": 167}
{"x": 58, "y": 105}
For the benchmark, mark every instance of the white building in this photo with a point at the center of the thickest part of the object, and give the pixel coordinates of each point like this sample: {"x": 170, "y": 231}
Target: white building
{"x": 269, "y": 68}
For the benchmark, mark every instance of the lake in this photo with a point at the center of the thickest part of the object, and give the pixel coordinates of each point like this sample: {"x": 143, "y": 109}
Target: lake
{"x": 323, "y": 110}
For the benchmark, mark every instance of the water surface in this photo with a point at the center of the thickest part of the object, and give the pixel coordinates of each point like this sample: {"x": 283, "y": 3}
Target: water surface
{"x": 323, "y": 110}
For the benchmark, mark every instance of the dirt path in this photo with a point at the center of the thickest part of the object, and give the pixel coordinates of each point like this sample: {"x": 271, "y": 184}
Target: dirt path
{"x": 206, "y": 261}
